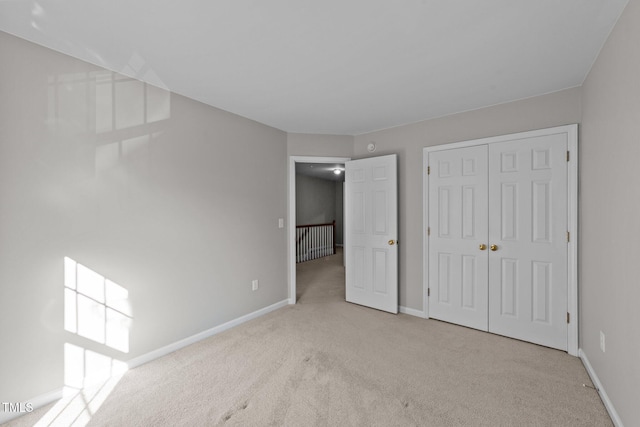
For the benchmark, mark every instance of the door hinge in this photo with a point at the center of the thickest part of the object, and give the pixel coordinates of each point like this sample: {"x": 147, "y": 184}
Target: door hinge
{"x": 568, "y": 317}
{"x": 428, "y": 170}
{"x": 568, "y": 236}
{"x": 567, "y": 156}
{"x": 428, "y": 292}
{"x": 428, "y": 231}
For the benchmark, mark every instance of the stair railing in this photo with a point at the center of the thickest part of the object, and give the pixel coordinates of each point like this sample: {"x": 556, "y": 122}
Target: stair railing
{"x": 315, "y": 241}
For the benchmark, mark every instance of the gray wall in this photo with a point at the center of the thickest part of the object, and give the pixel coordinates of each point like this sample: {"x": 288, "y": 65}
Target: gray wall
{"x": 319, "y": 201}
{"x": 610, "y": 216}
{"x": 145, "y": 187}
{"x": 315, "y": 200}
{"x": 408, "y": 141}
{"x": 302, "y": 144}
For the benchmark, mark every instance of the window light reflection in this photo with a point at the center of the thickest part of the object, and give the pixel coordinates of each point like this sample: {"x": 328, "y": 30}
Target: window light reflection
{"x": 95, "y": 307}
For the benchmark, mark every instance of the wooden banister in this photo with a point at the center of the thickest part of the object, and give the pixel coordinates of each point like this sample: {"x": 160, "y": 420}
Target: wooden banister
{"x": 334, "y": 236}
{"x": 316, "y": 225}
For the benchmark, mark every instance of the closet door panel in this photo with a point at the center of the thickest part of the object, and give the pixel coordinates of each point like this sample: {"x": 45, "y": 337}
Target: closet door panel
{"x": 528, "y": 226}
{"x": 458, "y": 221}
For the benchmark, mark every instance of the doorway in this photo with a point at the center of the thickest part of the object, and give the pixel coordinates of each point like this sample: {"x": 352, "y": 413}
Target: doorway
{"x": 321, "y": 164}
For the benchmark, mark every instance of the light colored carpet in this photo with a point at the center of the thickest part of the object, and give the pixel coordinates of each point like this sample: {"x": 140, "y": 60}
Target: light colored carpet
{"x": 328, "y": 362}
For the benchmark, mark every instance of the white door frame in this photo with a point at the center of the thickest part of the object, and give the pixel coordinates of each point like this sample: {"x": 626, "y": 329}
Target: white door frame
{"x": 572, "y": 213}
{"x": 291, "y": 247}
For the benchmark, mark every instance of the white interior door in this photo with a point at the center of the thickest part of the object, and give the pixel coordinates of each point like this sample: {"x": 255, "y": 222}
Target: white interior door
{"x": 458, "y": 255}
{"x": 371, "y": 230}
{"x": 528, "y": 270}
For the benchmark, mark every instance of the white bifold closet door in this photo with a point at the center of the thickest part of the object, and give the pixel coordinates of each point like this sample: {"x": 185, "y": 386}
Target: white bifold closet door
{"x": 498, "y": 238}
{"x": 528, "y": 272}
{"x": 458, "y": 220}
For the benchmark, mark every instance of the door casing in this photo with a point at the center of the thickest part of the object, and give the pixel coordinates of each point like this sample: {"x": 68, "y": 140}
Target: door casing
{"x": 572, "y": 215}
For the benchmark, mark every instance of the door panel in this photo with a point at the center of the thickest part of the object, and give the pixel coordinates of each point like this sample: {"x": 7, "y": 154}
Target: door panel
{"x": 458, "y": 222}
{"x": 371, "y": 261}
{"x": 528, "y": 224}
{"x": 509, "y": 287}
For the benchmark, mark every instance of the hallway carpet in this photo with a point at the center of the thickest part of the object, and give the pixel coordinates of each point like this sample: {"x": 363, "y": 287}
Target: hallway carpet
{"x": 325, "y": 362}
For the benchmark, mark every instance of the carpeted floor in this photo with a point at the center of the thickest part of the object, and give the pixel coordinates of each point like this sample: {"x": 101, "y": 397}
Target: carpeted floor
{"x": 325, "y": 362}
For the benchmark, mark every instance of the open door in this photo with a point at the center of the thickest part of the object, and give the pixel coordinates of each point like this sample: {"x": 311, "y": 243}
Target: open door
{"x": 371, "y": 232}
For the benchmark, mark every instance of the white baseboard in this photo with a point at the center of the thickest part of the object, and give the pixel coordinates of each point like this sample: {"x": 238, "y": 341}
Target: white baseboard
{"x": 163, "y": 351}
{"x": 36, "y": 402}
{"x": 603, "y": 394}
{"x": 412, "y": 311}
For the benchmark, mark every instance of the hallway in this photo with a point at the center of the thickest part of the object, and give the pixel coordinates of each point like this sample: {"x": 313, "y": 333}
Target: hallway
{"x": 321, "y": 280}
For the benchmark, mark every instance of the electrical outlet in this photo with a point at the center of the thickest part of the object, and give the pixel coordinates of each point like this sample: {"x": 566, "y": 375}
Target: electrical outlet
{"x": 602, "y": 342}
{"x": 280, "y": 222}
{"x": 254, "y": 285}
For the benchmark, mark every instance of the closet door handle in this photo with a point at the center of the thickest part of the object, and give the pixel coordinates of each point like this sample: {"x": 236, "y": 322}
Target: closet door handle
{"x": 493, "y": 247}
{"x": 483, "y": 246}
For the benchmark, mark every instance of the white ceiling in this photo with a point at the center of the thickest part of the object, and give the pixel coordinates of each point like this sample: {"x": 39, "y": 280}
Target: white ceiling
{"x": 330, "y": 66}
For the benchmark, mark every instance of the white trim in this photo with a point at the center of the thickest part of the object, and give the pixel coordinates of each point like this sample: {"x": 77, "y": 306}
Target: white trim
{"x": 163, "y": 351}
{"x": 572, "y": 212}
{"x": 36, "y": 402}
{"x": 411, "y": 311}
{"x": 425, "y": 240}
{"x": 572, "y": 248}
{"x": 502, "y": 138}
{"x": 600, "y": 389}
{"x": 292, "y": 214}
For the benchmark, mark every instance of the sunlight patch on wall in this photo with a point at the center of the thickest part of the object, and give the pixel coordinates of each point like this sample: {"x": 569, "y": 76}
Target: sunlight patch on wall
{"x": 86, "y": 368}
{"x": 95, "y": 307}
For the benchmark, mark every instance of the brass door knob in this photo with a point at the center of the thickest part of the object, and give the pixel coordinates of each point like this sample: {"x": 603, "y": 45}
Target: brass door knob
{"x": 392, "y": 242}
{"x": 493, "y": 247}
{"x": 483, "y": 246}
